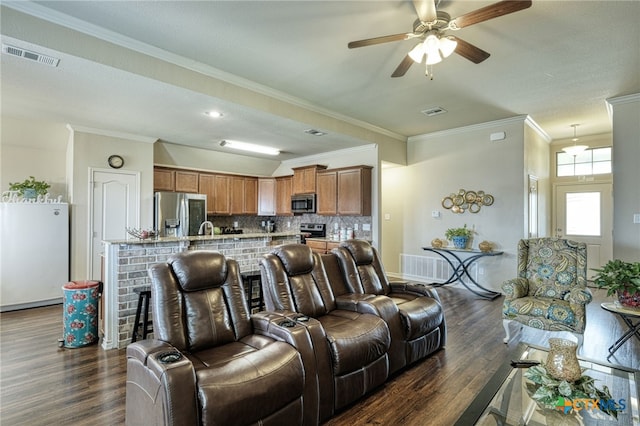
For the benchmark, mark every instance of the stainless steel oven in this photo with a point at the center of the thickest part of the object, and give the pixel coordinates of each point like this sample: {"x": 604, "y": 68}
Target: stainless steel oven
{"x": 312, "y": 230}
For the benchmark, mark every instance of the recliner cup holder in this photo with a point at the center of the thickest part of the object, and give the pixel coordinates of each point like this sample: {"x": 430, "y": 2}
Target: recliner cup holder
{"x": 287, "y": 323}
{"x": 169, "y": 357}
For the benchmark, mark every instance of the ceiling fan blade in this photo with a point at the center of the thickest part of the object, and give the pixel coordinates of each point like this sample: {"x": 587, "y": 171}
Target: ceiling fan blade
{"x": 470, "y": 52}
{"x": 403, "y": 67}
{"x": 426, "y": 10}
{"x": 489, "y": 12}
{"x": 379, "y": 40}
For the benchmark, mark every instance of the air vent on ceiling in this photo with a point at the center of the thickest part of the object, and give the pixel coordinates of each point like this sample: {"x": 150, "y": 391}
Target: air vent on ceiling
{"x": 314, "y": 132}
{"x": 434, "y": 111}
{"x": 27, "y": 54}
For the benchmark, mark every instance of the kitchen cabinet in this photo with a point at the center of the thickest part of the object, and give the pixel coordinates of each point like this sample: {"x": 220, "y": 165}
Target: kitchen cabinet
{"x": 321, "y": 246}
{"x": 283, "y": 195}
{"x": 345, "y": 191}
{"x": 186, "y": 181}
{"x": 327, "y": 193}
{"x": 216, "y": 188}
{"x": 243, "y": 192}
{"x": 266, "y": 197}
{"x": 164, "y": 179}
{"x": 304, "y": 179}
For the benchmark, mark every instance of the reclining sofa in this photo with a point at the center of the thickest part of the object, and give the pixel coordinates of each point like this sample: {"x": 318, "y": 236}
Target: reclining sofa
{"x": 210, "y": 363}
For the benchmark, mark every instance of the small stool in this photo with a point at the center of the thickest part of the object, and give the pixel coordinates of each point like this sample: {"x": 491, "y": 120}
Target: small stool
{"x": 248, "y": 278}
{"x": 147, "y": 326}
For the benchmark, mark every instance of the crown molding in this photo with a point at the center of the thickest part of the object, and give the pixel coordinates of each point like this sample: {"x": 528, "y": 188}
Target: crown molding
{"x": 470, "y": 128}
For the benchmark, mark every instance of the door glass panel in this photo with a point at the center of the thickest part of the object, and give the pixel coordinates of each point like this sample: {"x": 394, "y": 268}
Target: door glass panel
{"x": 583, "y": 213}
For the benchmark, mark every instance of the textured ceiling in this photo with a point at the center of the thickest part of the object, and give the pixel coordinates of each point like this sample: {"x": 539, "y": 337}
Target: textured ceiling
{"x": 557, "y": 62}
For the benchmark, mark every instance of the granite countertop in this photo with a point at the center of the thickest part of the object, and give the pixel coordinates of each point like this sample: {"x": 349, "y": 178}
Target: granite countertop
{"x": 133, "y": 240}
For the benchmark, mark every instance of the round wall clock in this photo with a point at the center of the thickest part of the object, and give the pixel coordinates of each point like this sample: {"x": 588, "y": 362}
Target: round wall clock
{"x": 116, "y": 161}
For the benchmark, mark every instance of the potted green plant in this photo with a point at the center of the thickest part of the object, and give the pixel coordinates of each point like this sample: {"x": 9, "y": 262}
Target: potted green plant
{"x": 621, "y": 278}
{"x": 459, "y": 236}
{"x": 30, "y": 188}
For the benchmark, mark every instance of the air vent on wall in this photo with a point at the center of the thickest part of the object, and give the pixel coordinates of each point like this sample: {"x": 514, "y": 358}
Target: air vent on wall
{"x": 27, "y": 54}
{"x": 434, "y": 111}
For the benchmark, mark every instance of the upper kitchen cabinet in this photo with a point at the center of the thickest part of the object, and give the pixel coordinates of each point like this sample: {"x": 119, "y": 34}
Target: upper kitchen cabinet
{"x": 327, "y": 193}
{"x": 266, "y": 197}
{"x": 345, "y": 191}
{"x": 283, "y": 195}
{"x": 244, "y": 195}
{"x": 304, "y": 179}
{"x": 216, "y": 188}
{"x": 186, "y": 181}
{"x": 164, "y": 179}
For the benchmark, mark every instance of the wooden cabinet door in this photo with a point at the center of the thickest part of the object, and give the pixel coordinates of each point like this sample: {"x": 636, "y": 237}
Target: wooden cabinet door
{"x": 164, "y": 180}
{"x": 250, "y": 195}
{"x": 317, "y": 246}
{"x": 221, "y": 204}
{"x": 186, "y": 181}
{"x": 207, "y": 187}
{"x": 326, "y": 186}
{"x": 304, "y": 179}
{"x": 236, "y": 194}
{"x": 354, "y": 191}
{"x": 283, "y": 196}
{"x": 266, "y": 197}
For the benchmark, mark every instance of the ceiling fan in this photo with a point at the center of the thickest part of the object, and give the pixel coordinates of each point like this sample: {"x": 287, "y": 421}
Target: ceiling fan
{"x": 430, "y": 28}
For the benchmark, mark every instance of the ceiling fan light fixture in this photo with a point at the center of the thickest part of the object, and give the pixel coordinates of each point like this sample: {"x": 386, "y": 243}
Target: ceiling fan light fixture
{"x": 417, "y": 53}
{"x": 244, "y": 146}
{"x": 431, "y": 45}
{"x": 447, "y": 46}
{"x": 433, "y": 58}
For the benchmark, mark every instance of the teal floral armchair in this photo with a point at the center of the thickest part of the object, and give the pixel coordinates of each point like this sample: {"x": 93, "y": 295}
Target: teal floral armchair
{"x": 550, "y": 292}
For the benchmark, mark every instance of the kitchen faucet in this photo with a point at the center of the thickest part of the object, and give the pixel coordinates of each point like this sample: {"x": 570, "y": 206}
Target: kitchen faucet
{"x": 202, "y": 227}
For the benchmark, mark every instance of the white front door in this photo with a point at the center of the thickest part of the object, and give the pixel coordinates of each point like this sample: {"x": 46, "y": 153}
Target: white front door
{"x": 115, "y": 206}
{"x": 584, "y": 213}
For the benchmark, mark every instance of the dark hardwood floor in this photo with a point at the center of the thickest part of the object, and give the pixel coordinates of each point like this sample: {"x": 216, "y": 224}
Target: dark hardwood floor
{"x": 41, "y": 384}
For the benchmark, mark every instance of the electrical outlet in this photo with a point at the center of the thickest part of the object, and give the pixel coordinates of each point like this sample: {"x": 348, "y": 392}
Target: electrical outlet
{"x": 387, "y": 216}
{"x": 288, "y": 224}
{"x": 366, "y": 227}
{"x": 636, "y": 218}
{"x": 355, "y": 226}
{"x": 435, "y": 213}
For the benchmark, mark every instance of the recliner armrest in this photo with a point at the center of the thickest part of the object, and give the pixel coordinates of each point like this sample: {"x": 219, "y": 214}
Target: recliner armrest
{"x": 414, "y": 288}
{"x": 380, "y": 306}
{"x": 515, "y": 288}
{"x": 159, "y": 388}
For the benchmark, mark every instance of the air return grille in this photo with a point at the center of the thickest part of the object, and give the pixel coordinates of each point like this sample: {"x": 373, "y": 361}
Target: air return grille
{"x": 33, "y": 56}
{"x": 434, "y": 111}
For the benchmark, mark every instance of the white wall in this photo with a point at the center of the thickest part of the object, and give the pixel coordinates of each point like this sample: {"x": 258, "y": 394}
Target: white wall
{"x": 90, "y": 150}
{"x": 626, "y": 185}
{"x": 443, "y": 163}
{"x": 33, "y": 148}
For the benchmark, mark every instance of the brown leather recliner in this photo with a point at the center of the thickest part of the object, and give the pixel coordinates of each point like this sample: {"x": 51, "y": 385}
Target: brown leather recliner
{"x": 418, "y": 327}
{"x": 351, "y": 347}
{"x": 212, "y": 364}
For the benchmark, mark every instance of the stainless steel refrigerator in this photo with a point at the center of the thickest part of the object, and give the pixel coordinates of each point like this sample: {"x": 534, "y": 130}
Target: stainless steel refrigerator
{"x": 34, "y": 254}
{"x": 179, "y": 214}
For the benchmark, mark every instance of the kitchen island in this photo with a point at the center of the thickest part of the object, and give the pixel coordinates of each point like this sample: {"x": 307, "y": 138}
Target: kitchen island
{"x": 126, "y": 263}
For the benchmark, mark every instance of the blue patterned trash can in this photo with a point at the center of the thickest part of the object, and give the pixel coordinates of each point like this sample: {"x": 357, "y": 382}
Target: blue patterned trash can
{"x": 80, "y": 313}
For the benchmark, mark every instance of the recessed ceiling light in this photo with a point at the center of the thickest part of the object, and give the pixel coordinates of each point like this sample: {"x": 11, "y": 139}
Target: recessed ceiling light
{"x": 244, "y": 146}
{"x": 314, "y": 132}
{"x": 214, "y": 114}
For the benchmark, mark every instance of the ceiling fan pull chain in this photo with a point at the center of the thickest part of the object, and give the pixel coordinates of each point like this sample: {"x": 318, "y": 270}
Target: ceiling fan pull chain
{"x": 429, "y": 72}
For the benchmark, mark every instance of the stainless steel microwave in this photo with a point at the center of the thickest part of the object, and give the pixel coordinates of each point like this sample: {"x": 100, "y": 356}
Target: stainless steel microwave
{"x": 305, "y": 203}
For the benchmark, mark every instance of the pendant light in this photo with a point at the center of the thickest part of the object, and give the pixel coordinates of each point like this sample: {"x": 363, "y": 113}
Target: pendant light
{"x": 575, "y": 149}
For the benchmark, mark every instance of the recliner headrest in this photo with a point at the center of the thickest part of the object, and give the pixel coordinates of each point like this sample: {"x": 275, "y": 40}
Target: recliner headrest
{"x": 361, "y": 251}
{"x": 297, "y": 259}
{"x": 199, "y": 269}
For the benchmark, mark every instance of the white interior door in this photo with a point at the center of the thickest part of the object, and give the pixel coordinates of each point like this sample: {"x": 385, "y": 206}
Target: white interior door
{"x": 584, "y": 213}
{"x": 115, "y": 206}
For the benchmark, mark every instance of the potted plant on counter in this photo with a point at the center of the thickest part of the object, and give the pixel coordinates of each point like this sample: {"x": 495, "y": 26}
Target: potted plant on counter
{"x": 459, "y": 236}
{"x": 30, "y": 188}
{"x": 621, "y": 278}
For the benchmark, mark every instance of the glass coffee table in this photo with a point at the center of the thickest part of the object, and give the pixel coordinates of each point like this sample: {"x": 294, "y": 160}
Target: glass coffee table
{"x": 504, "y": 400}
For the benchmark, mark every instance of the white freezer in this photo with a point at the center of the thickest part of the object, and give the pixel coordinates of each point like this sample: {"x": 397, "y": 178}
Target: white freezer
{"x": 34, "y": 254}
